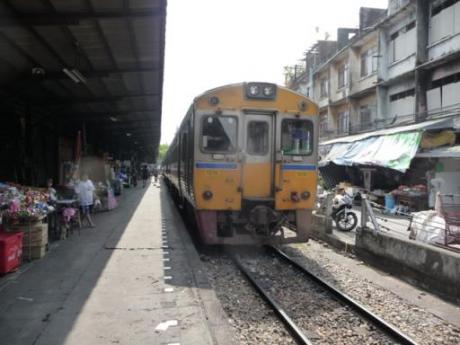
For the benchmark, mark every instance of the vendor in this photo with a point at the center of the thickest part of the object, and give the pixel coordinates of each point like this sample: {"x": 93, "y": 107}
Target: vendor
{"x": 85, "y": 190}
{"x": 51, "y": 191}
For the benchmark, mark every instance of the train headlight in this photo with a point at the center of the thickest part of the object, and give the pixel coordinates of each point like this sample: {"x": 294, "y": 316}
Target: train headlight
{"x": 207, "y": 195}
{"x": 305, "y": 195}
{"x": 260, "y": 91}
{"x": 269, "y": 90}
{"x": 254, "y": 90}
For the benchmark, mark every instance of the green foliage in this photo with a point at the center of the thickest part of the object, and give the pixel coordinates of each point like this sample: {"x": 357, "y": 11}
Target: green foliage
{"x": 162, "y": 152}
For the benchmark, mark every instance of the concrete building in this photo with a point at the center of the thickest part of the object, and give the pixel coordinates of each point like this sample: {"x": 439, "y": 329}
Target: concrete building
{"x": 341, "y": 76}
{"x": 400, "y": 66}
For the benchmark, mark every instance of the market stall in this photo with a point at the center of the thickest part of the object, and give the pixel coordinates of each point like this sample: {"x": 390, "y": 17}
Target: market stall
{"x": 25, "y": 210}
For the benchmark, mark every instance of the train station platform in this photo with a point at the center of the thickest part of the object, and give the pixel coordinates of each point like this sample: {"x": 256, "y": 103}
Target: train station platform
{"x": 134, "y": 279}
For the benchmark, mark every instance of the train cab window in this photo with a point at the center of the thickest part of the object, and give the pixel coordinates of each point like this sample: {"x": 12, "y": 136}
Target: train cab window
{"x": 219, "y": 133}
{"x": 257, "y": 142}
{"x": 297, "y": 137}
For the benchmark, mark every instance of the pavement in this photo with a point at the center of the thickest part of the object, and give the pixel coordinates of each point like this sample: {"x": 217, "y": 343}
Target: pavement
{"x": 134, "y": 279}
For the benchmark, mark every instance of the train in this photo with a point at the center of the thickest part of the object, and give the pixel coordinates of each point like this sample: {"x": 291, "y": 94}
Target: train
{"x": 243, "y": 164}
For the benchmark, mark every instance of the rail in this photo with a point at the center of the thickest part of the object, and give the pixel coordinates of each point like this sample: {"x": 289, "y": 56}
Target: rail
{"x": 295, "y": 330}
{"x": 389, "y": 329}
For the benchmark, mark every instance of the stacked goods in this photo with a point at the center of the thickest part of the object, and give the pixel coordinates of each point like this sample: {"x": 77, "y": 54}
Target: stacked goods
{"x": 35, "y": 239}
{"x": 10, "y": 251}
{"x": 24, "y": 211}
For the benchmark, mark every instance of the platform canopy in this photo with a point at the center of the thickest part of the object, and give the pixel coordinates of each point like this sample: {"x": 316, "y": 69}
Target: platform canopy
{"x": 92, "y": 62}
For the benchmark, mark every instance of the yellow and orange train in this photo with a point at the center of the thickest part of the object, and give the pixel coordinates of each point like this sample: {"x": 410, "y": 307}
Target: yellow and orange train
{"x": 243, "y": 164}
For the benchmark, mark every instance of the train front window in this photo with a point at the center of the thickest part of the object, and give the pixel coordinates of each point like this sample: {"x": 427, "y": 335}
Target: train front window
{"x": 297, "y": 137}
{"x": 219, "y": 133}
{"x": 257, "y": 138}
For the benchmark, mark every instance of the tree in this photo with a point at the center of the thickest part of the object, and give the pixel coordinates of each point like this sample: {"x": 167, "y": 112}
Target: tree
{"x": 162, "y": 152}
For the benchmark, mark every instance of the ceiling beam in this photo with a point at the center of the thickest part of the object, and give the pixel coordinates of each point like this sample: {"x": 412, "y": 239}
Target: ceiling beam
{"x": 100, "y": 73}
{"x": 120, "y": 114}
{"x": 133, "y": 124}
{"x": 67, "y": 102}
{"x": 72, "y": 18}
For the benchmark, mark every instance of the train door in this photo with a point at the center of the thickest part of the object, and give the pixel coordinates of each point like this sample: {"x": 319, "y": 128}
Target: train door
{"x": 257, "y": 168}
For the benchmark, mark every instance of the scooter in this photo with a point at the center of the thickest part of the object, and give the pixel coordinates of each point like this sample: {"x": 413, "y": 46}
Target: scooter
{"x": 345, "y": 219}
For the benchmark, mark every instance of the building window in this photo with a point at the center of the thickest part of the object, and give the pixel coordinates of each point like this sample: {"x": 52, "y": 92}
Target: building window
{"x": 404, "y": 94}
{"x": 343, "y": 122}
{"x": 323, "y": 124}
{"x": 369, "y": 62}
{"x": 342, "y": 76}
{"x": 365, "y": 117}
{"x": 441, "y": 6}
{"x": 400, "y": 44}
{"x": 323, "y": 88}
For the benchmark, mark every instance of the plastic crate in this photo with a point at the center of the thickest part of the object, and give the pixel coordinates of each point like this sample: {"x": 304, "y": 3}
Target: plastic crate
{"x": 10, "y": 251}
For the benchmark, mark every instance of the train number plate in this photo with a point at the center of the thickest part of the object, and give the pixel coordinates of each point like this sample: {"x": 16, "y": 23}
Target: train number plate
{"x": 212, "y": 173}
{"x": 302, "y": 174}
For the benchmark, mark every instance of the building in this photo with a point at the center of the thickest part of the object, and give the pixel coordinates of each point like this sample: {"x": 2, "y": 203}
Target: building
{"x": 341, "y": 76}
{"x": 388, "y": 89}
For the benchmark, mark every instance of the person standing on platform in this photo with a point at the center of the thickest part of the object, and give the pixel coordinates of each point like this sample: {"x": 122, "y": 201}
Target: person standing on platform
{"x": 85, "y": 190}
{"x": 145, "y": 175}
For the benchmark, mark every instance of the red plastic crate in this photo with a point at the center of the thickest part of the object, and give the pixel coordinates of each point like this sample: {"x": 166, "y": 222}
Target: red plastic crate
{"x": 10, "y": 251}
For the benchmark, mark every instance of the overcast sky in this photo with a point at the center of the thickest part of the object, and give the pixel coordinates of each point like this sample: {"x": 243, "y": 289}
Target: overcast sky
{"x": 210, "y": 43}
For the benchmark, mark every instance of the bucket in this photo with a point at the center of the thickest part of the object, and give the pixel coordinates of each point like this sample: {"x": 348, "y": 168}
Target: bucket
{"x": 389, "y": 202}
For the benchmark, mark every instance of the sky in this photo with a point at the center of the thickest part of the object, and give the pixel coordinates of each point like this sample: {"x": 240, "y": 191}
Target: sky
{"x": 210, "y": 43}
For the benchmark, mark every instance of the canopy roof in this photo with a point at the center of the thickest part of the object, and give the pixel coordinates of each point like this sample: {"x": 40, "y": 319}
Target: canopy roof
{"x": 442, "y": 152}
{"x": 432, "y": 124}
{"x": 116, "y": 45}
{"x": 394, "y": 151}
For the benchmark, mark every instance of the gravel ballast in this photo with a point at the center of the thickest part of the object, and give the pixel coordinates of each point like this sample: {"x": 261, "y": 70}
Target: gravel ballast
{"x": 324, "y": 319}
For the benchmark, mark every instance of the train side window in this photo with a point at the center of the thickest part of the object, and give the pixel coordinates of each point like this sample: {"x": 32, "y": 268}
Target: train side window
{"x": 257, "y": 142}
{"x": 219, "y": 133}
{"x": 297, "y": 137}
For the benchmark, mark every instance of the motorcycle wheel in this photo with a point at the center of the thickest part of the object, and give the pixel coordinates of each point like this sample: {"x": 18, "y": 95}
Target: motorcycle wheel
{"x": 347, "y": 222}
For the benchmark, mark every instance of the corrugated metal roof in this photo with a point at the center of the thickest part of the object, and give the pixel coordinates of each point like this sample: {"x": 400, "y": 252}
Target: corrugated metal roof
{"x": 442, "y": 152}
{"x": 433, "y": 124}
{"x": 117, "y": 45}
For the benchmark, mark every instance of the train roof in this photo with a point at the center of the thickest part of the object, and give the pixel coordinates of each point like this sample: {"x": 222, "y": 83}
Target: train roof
{"x": 233, "y": 96}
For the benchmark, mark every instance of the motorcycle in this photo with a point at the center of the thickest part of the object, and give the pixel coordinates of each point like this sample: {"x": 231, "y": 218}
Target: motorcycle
{"x": 342, "y": 214}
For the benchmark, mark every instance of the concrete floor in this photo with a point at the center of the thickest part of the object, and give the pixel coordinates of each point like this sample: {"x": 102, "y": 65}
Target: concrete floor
{"x": 134, "y": 279}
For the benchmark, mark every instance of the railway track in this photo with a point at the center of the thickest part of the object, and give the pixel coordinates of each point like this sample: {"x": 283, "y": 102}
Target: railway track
{"x": 296, "y": 329}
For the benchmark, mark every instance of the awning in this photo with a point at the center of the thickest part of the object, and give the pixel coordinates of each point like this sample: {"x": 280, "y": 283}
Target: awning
{"x": 394, "y": 151}
{"x": 443, "y": 152}
{"x": 432, "y": 124}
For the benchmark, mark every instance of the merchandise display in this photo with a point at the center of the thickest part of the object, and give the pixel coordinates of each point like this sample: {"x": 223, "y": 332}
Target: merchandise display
{"x": 23, "y": 204}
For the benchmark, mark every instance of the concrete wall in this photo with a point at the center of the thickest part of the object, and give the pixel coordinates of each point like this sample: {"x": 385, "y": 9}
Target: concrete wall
{"x": 430, "y": 267}
{"x": 359, "y": 83}
{"x": 444, "y": 32}
{"x": 397, "y": 55}
{"x": 396, "y": 5}
{"x": 401, "y": 108}
{"x": 336, "y": 92}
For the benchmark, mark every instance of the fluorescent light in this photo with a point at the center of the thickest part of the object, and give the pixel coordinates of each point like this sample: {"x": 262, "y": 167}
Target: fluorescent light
{"x": 128, "y": 134}
{"x": 80, "y": 76}
{"x": 71, "y": 75}
{"x": 113, "y": 118}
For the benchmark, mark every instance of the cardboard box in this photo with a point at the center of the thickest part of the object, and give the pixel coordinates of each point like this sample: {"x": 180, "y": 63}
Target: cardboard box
{"x": 32, "y": 253}
{"x": 35, "y": 234}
